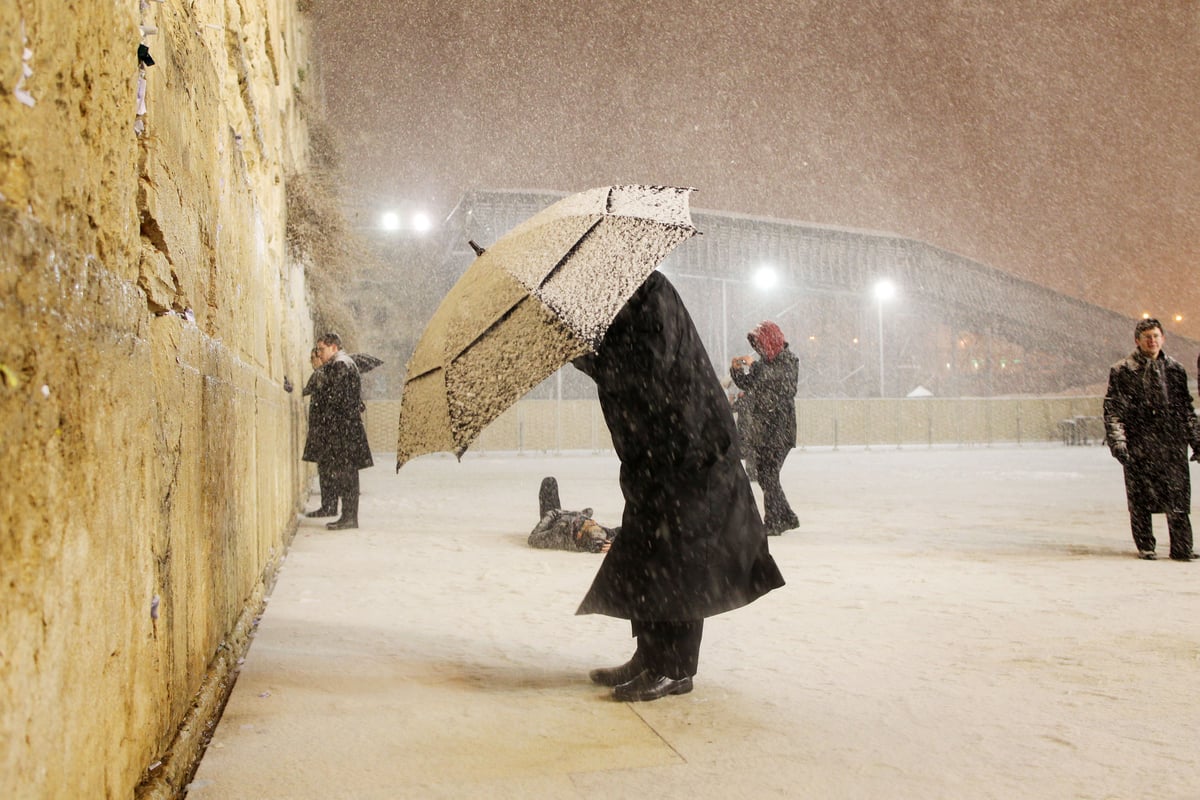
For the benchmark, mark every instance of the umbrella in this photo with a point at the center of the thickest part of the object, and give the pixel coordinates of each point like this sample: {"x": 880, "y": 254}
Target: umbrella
{"x": 543, "y": 294}
{"x": 365, "y": 362}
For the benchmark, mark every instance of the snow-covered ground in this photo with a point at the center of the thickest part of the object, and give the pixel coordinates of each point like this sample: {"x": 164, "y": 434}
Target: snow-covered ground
{"x": 958, "y": 623}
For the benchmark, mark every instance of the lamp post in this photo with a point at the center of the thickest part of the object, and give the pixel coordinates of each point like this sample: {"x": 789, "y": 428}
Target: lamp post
{"x": 765, "y": 279}
{"x": 724, "y": 323}
{"x": 884, "y": 290}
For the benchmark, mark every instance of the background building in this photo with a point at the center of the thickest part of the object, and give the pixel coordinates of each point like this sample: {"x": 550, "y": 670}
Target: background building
{"x": 944, "y": 323}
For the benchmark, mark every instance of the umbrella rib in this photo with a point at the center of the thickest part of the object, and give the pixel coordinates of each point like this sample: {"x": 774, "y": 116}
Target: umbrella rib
{"x": 500, "y": 319}
{"x": 583, "y": 237}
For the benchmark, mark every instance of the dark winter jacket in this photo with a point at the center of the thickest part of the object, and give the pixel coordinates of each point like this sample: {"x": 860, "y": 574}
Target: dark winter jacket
{"x": 770, "y": 388}
{"x": 570, "y": 530}
{"x": 745, "y": 423}
{"x": 314, "y": 438}
{"x": 691, "y": 542}
{"x": 1148, "y": 414}
{"x": 337, "y": 437}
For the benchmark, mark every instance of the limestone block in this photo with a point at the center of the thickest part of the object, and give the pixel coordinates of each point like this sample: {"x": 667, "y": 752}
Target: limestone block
{"x": 157, "y": 280}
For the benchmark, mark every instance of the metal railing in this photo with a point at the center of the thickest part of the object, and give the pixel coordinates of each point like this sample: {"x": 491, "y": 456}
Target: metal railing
{"x": 555, "y": 426}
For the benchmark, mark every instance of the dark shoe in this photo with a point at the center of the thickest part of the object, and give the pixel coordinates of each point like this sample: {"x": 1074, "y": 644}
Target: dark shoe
{"x": 614, "y": 676}
{"x": 322, "y": 512}
{"x": 1188, "y": 557}
{"x": 342, "y": 524}
{"x": 651, "y": 687}
{"x": 1147, "y": 555}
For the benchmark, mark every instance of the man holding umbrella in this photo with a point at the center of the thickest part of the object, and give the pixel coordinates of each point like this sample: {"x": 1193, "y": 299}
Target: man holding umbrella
{"x": 557, "y": 289}
{"x": 692, "y": 544}
{"x": 341, "y": 448}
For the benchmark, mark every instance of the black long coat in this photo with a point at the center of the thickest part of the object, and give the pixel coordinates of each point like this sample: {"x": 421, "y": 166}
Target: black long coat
{"x": 692, "y": 543}
{"x": 337, "y": 438}
{"x": 1156, "y": 427}
{"x": 313, "y": 439}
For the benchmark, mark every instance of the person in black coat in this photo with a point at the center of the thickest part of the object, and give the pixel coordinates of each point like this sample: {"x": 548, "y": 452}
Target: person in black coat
{"x": 575, "y": 531}
{"x": 1149, "y": 422}
{"x": 770, "y": 386}
{"x": 329, "y": 501}
{"x": 336, "y": 414}
{"x": 691, "y": 543}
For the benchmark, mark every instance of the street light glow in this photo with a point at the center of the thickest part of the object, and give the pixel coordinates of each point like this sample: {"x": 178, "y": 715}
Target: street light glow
{"x": 389, "y": 221}
{"x": 766, "y": 278}
{"x": 421, "y": 222}
{"x": 884, "y": 290}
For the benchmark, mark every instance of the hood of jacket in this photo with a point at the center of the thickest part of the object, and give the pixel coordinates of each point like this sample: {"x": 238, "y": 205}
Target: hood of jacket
{"x": 767, "y": 339}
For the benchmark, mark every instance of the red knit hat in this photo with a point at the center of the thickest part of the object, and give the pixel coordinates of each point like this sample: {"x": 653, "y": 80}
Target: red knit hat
{"x": 767, "y": 339}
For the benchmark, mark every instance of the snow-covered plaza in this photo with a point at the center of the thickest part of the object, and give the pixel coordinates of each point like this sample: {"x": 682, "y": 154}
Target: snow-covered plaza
{"x": 958, "y": 623}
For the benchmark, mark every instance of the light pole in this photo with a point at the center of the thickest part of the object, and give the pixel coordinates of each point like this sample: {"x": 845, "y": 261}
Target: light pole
{"x": 765, "y": 279}
{"x": 884, "y": 290}
{"x": 724, "y": 323}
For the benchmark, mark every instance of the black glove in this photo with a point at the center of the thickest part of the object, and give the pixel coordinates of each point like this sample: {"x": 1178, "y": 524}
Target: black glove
{"x": 1121, "y": 452}
{"x": 1195, "y": 455}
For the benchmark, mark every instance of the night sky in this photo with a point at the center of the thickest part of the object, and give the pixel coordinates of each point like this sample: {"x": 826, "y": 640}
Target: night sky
{"x": 1058, "y": 141}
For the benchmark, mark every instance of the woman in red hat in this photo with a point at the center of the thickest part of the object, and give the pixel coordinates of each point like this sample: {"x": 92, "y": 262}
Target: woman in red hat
{"x": 770, "y": 386}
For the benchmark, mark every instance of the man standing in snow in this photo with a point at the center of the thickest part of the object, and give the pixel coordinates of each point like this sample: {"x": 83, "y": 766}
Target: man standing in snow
{"x": 691, "y": 544}
{"x": 313, "y": 441}
{"x": 1149, "y": 422}
{"x": 337, "y": 414}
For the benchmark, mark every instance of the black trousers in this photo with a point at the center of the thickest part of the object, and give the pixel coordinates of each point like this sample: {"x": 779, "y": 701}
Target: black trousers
{"x": 1179, "y": 527}
{"x": 548, "y": 496}
{"x": 329, "y": 500}
{"x": 777, "y": 512}
{"x": 344, "y": 482}
{"x": 669, "y": 648}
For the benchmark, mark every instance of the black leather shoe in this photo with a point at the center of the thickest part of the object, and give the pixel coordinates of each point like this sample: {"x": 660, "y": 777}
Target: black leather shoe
{"x": 322, "y": 512}
{"x": 614, "y": 676}
{"x": 1147, "y": 555}
{"x": 651, "y": 687}
{"x": 1188, "y": 557}
{"x": 342, "y": 524}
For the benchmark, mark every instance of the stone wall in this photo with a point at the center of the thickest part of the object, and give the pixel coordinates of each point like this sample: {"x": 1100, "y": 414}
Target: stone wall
{"x": 151, "y": 314}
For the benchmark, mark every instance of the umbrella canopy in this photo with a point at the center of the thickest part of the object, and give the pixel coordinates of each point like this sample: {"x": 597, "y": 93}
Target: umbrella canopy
{"x": 543, "y": 294}
{"x": 365, "y": 362}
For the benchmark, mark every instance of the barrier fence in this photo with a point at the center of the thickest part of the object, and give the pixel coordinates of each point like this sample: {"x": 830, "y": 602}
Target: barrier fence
{"x": 549, "y": 426}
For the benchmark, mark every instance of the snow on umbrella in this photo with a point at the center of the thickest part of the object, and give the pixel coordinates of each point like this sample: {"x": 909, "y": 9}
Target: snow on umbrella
{"x": 542, "y": 295}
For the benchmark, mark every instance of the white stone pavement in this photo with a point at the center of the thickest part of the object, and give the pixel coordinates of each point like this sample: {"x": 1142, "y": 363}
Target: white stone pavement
{"x": 958, "y": 623}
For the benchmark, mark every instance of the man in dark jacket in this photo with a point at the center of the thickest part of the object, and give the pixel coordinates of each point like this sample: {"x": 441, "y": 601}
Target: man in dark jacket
{"x": 770, "y": 386}
{"x": 574, "y": 531}
{"x": 557, "y": 529}
{"x": 691, "y": 543}
{"x": 336, "y": 414}
{"x": 329, "y": 501}
{"x": 1150, "y": 421}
